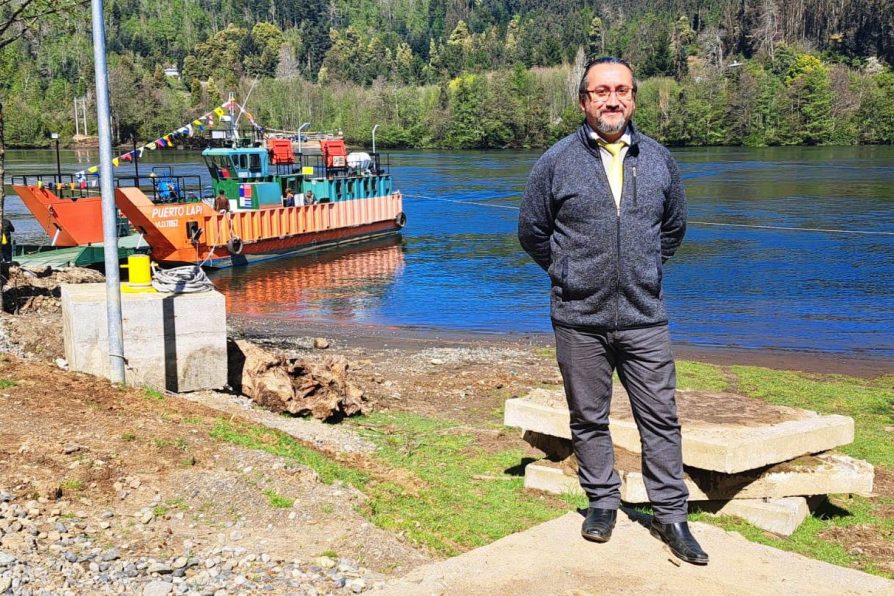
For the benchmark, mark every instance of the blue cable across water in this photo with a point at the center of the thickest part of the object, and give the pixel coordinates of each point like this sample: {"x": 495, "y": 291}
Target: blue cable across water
{"x": 690, "y": 222}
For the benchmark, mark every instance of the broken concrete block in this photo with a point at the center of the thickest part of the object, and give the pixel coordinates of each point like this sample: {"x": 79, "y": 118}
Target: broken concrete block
{"x": 822, "y": 474}
{"x": 780, "y": 516}
{"x": 721, "y": 432}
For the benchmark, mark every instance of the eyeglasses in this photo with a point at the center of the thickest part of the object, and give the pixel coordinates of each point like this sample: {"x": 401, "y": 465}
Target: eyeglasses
{"x": 601, "y": 94}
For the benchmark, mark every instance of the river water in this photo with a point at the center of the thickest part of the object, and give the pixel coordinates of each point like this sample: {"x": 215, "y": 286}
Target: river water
{"x": 787, "y": 248}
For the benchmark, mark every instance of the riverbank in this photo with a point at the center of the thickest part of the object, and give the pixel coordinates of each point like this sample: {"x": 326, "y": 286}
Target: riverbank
{"x": 200, "y": 494}
{"x": 415, "y": 337}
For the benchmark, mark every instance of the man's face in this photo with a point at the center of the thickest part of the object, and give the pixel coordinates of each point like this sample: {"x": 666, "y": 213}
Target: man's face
{"x": 610, "y": 101}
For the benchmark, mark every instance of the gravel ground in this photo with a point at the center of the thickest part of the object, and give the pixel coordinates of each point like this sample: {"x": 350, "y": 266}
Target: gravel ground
{"x": 49, "y": 549}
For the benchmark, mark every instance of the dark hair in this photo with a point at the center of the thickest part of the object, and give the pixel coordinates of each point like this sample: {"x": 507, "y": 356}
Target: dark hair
{"x": 582, "y": 88}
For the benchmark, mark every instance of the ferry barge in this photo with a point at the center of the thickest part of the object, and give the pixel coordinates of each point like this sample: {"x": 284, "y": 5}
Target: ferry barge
{"x": 339, "y": 198}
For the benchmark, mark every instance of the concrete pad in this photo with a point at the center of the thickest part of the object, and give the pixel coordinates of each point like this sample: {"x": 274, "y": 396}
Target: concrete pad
{"x": 721, "y": 431}
{"x": 176, "y": 342}
{"x": 552, "y": 558}
{"x": 780, "y": 516}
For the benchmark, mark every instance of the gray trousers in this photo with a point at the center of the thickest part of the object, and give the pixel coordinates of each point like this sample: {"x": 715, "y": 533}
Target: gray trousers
{"x": 646, "y": 368}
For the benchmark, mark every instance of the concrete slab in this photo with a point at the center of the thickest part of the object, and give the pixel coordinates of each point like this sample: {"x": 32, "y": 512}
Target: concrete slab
{"x": 552, "y": 558}
{"x": 721, "y": 431}
{"x": 173, "y": 341}
{"x": 780, "y": 516}
{"x": 823, "y": 474}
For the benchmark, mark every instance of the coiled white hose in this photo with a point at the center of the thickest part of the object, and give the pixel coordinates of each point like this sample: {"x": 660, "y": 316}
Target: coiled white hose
{"x": 182, "y": 280}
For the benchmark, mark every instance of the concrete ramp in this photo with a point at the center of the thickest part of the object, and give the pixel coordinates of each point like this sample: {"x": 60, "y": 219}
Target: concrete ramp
{"x": 552, "y": 558}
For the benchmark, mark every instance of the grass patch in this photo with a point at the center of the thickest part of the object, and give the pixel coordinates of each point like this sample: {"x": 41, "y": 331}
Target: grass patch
{"x": 153, "y": 394}
{"x": 128, "y": 437}
{"x": 179, "y": 443}
{"x": 7, "y": 383}
{"x": 281, "y": 444}
{"x": 698, "y": 375}
{"x": 277, "y": 500}
{"x": 160, "y": 510}
{"x": 546, "y": 353}
{"x": 466, "y": 498}
{"x": 71, "y": 484}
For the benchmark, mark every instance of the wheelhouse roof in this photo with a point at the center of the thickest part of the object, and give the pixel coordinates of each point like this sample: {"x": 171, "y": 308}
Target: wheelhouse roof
{"x": 229, "y": 151}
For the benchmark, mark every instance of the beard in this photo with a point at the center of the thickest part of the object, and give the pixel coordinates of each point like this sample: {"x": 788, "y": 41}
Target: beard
{"x": 611, "y": 127}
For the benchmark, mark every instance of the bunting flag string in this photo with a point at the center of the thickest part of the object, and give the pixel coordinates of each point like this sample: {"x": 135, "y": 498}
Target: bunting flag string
{"x": 168, "y": 140}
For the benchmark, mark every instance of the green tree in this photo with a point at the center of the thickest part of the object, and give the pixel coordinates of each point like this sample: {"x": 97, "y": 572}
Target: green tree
{"x": 262, "y": 51}
{"x": 810, "y": 96}
{"x": 466, "y": 129}
{"x": 876, "y": 114}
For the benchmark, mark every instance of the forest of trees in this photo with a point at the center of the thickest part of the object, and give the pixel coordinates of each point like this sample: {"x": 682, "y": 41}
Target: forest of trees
{"x": 470, "y": 73}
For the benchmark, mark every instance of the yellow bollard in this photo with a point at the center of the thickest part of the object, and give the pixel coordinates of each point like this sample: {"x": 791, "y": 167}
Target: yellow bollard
{"x": 139, "y": 275}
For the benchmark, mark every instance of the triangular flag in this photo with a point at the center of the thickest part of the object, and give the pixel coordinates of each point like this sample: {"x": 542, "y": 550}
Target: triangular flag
{"x": 169, "y": 139}
{"x": 92, "y": 170}
{"x": 151, "y": 146}
{"x": 127, "y": 157}
{"x": 161, "y": 143}
{"x": 115, "y": 162}
{"x": 189, "y": 130}
{"x": 219, "y": 112}
{"x": 140, "y": 151}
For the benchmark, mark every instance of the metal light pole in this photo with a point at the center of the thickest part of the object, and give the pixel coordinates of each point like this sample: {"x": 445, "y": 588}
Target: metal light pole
{"x": 109, "y": 213}
{"x": 300, "y": 128}
{"x": 374, "y": 137}
{"x": 55, "y": 137}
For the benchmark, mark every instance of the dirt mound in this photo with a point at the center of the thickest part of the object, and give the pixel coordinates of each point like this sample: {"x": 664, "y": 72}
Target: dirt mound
{"x": 29, "y": 291}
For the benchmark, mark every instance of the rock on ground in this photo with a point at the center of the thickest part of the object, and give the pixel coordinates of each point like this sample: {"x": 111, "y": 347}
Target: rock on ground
{"x": 320, "y": 388}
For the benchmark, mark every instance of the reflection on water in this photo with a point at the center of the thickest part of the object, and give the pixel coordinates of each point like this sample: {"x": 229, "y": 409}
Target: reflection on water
{"x": 344, "y": 285}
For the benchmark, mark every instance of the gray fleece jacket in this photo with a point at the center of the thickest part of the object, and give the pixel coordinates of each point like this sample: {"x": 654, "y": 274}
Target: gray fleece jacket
{"x": 605, "y": 268}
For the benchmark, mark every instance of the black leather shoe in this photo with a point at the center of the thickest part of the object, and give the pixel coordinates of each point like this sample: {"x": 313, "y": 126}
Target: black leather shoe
{"x": 680, "y": 540}
{"x": 598, "y": 524}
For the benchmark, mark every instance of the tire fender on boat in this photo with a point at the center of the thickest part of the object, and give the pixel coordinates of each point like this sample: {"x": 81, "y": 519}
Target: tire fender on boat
{"x": 400, "y": 219}
{"x": 234, "y": 245}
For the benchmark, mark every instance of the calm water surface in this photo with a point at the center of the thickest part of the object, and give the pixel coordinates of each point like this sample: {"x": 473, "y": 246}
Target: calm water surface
{"x": 458, "y": 265}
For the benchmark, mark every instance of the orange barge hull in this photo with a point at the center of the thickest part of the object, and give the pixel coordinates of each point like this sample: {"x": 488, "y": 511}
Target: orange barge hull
{"x": 70, "y": 221}
{"x": 195, "y": 233}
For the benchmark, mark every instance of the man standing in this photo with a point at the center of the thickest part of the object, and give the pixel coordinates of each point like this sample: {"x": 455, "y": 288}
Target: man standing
{"x": 221, "y": 202}
{"x": 6, "y": 241}
{"x": 603, "y": 210}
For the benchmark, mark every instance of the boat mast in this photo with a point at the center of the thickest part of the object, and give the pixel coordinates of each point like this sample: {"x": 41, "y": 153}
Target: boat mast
{"x": 234, "y": 133}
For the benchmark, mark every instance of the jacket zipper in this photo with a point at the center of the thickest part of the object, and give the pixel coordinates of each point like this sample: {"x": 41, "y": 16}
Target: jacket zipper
{"x": 618, "y": 271}
{"x": 618, "y": 254}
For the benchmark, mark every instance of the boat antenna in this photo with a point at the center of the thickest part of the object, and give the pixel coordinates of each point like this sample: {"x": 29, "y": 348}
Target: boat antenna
{"x": 244, "y": 103}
